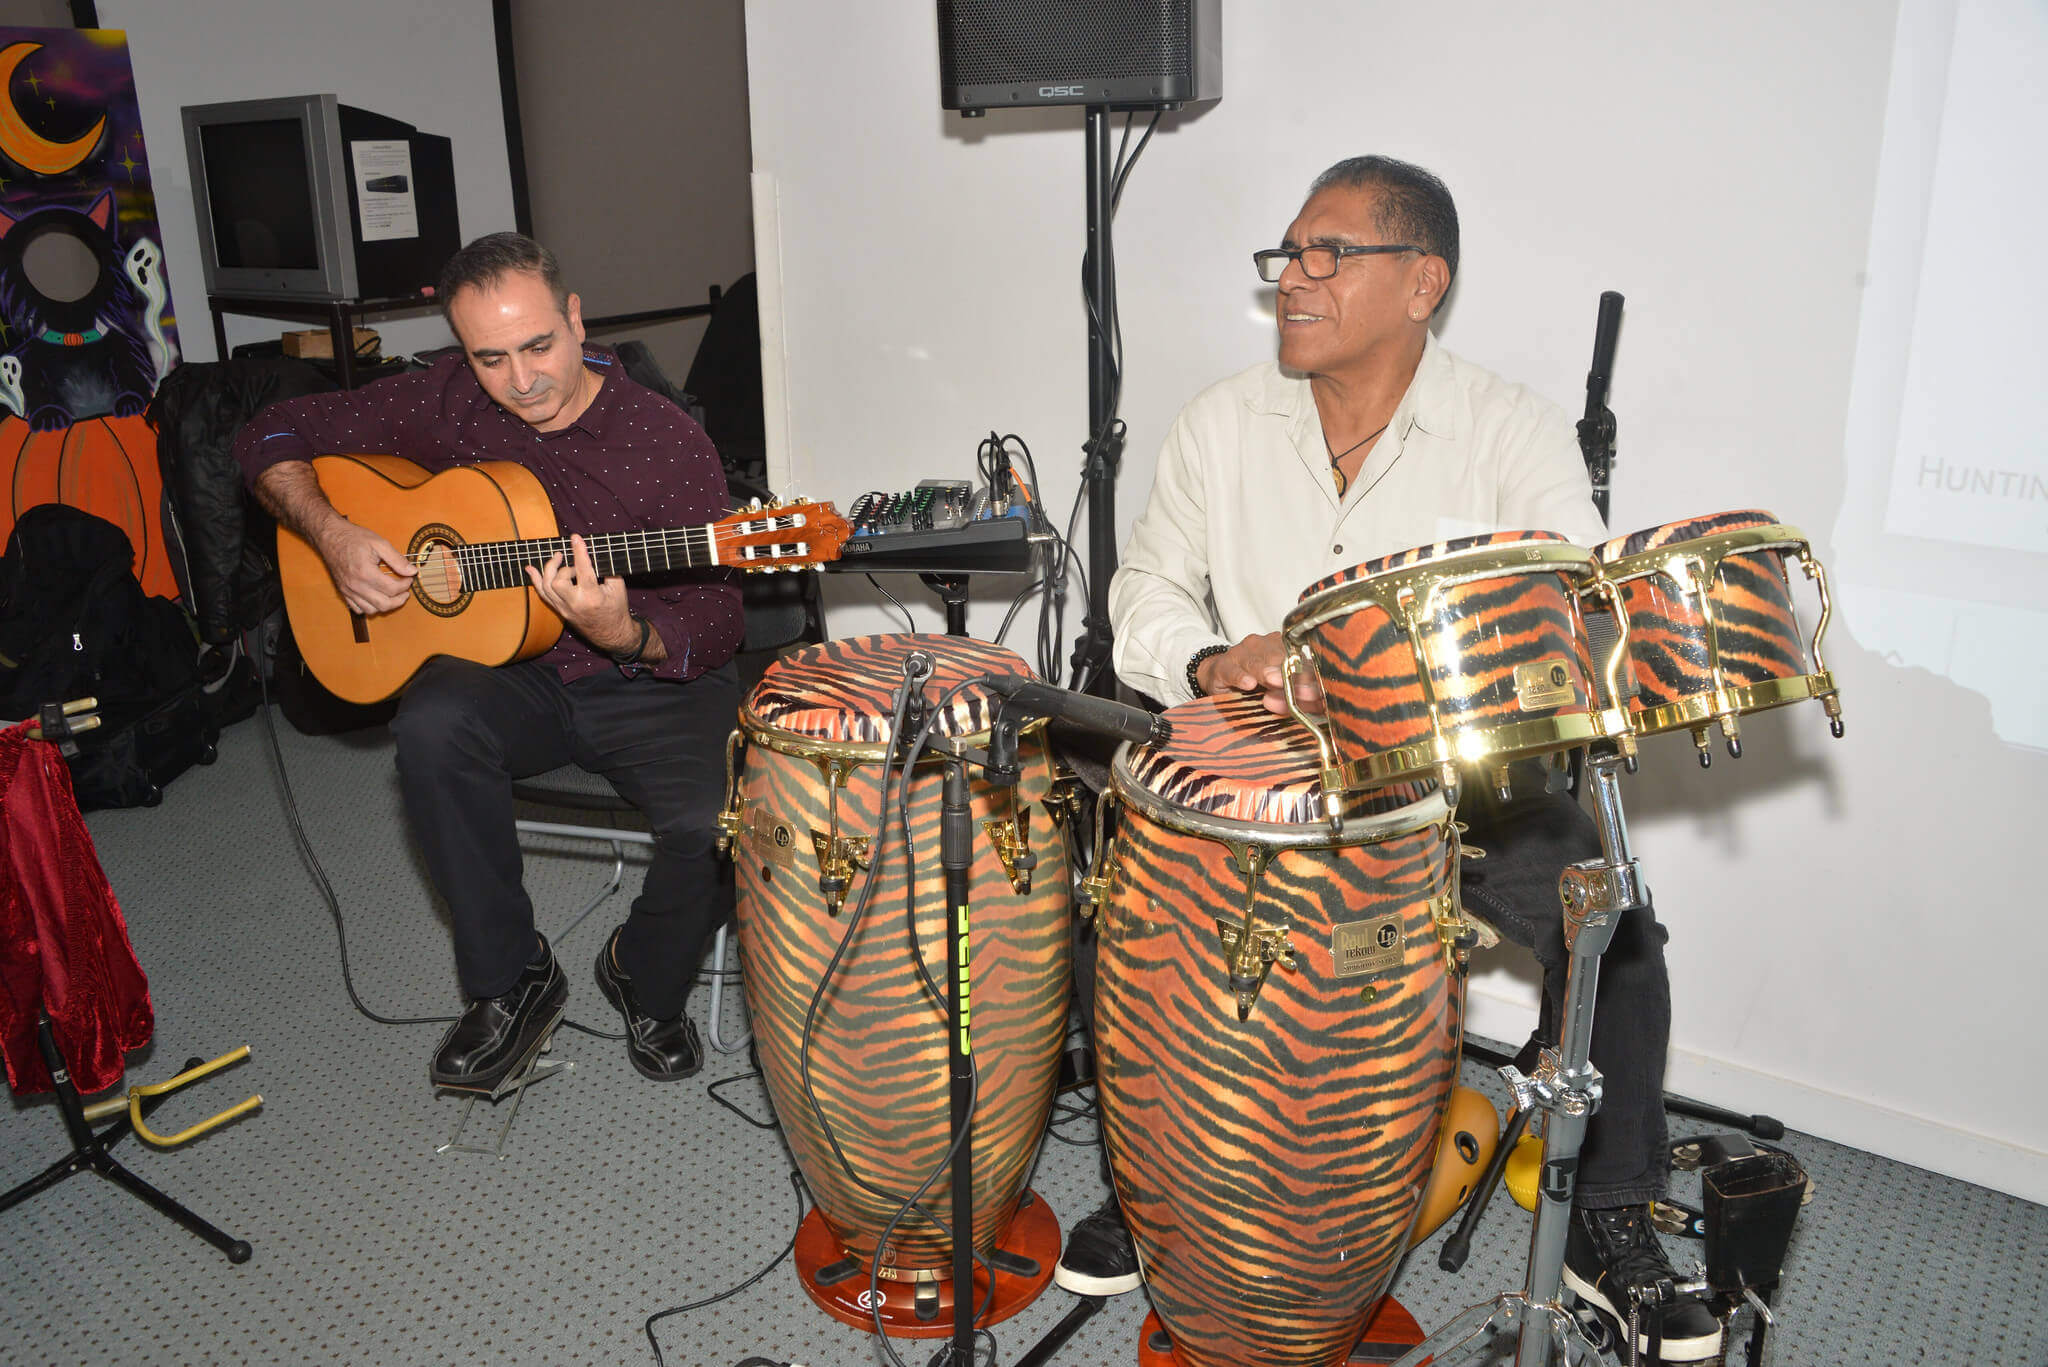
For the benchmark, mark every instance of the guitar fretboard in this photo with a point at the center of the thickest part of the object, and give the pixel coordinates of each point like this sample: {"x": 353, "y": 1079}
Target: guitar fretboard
{"x": 502, "y": 564}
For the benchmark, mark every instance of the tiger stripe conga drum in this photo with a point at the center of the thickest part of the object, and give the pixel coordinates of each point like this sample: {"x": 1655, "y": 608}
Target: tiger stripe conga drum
{"x": 1465, "y": 652}
{"x": 854, "y": 1053}
{"x": 1712, "y": 634}
{"x": 1278, "y": 1015}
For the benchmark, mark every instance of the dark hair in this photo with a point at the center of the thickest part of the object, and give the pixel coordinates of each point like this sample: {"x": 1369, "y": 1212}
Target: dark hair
{"x": 490, "y": 258}
{"x": 1410, "y": 204}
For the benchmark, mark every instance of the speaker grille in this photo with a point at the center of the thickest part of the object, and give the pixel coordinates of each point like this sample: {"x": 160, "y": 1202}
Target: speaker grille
{"x": 1000, "y": 42}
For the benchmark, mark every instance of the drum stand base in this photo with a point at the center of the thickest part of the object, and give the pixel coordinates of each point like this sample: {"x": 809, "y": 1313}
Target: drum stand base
{"x": 1390, "y": 1332}
{"x": 838, "y": 1282}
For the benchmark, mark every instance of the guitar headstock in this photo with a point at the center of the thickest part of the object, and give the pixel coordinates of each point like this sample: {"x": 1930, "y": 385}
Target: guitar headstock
{"x": 793, "y": 535}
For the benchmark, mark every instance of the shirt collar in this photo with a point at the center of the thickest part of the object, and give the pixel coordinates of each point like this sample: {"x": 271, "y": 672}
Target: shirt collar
{"x": 600, "y": 361}
{"x": 1432, "y": 402}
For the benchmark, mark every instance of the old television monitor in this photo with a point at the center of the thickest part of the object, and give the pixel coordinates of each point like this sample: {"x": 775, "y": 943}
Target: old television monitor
{"x": 305, "y": 197}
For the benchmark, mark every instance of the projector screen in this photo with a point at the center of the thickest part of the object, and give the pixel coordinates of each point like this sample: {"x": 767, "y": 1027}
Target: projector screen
{"x": 1942, "y": 546}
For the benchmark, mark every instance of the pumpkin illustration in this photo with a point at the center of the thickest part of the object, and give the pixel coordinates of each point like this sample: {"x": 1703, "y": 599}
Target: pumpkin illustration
{"x": 106, "y": 466}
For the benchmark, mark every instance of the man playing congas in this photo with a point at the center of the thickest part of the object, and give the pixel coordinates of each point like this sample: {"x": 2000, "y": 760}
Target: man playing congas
{"x": 1366, "y": 437}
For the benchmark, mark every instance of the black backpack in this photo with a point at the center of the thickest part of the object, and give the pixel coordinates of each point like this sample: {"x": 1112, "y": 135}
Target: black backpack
{"x": 75, "y": 623}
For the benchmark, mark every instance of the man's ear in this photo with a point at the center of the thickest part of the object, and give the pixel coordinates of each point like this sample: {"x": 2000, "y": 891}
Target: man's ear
{"x": 1432, "y": 283}
{"x": 572, "y": 307}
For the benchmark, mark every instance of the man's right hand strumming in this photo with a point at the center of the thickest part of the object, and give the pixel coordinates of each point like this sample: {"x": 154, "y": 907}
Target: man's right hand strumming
{"x": 370, "y": 573}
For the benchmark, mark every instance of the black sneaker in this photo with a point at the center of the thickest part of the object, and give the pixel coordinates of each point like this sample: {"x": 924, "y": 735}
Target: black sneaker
{"x": 664, "y": 1050}
{"x": 494, "y": 1037}
{"x": 1611, "y": 1250}
{"x": 1101, "y": 1259}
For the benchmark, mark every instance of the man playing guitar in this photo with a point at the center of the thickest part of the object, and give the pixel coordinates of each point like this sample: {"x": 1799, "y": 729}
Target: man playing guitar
{"x": 640, "y": 688}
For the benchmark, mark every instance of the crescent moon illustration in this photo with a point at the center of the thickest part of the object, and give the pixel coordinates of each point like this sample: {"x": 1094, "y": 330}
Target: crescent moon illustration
{"x": 23, "y": 144}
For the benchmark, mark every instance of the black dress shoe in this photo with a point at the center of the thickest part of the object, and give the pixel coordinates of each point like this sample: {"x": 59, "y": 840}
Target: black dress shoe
{"x": 497, "y": 1035}
{"x": 664, "y": 1050}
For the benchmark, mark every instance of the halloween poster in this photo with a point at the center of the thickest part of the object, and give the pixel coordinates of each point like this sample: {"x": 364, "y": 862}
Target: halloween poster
{"x": 86, "y": 323}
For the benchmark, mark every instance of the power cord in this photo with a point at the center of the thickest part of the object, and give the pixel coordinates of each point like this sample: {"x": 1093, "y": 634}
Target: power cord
{"x": 796, "y": 1182}
{"x": 319, "y": 871}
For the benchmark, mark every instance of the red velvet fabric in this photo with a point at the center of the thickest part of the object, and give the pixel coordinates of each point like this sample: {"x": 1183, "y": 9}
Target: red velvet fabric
{"x": 63, "y": 944}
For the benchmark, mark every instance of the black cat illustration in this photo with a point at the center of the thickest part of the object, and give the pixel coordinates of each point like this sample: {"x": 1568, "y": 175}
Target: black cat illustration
{"x": 72, "y": 316}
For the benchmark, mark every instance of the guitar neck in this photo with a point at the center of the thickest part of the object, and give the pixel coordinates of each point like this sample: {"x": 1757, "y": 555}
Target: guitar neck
{"x": 502, "y": 564}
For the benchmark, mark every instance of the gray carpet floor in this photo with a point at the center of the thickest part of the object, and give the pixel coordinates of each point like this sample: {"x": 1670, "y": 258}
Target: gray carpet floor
{"x": 619, "y": 1197}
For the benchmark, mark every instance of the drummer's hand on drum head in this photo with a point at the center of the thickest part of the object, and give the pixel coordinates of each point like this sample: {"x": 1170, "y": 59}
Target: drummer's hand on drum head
{"x": 1253, "y": 666}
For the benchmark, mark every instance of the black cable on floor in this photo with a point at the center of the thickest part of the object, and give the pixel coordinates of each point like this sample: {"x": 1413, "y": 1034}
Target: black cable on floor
{"x": 796, "y": 1182}
{"x": 327, "y": 893}
{"x": 711, "y": 1089}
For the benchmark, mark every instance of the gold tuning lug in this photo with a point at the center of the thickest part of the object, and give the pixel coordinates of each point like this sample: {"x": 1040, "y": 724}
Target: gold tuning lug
{"x": 1101, "y": 879}
{"x": 1499, "y": 774}
{"x": 733, "y": 815}
{"x": 1251, "y": 947}
{"x": 1250, "y": 950}
{"x": 838, "y": 859}
{"x": 1011, "y": 837}
{"x": 1731, "y": 733}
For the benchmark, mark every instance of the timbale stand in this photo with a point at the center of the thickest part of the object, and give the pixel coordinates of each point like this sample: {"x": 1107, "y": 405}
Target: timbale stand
{"x": 1596, "y": 894}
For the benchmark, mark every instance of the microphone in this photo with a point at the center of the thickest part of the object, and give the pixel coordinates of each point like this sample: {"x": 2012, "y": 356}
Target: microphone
{"x": 1080, "y": 709}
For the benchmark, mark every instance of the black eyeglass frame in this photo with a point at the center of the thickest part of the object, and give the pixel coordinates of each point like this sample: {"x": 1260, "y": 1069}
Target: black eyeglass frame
{"x": 1260, "y": 258}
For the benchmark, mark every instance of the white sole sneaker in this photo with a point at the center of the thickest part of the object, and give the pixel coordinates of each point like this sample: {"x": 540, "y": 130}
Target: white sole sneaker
{"x": 1699, "y": 1348}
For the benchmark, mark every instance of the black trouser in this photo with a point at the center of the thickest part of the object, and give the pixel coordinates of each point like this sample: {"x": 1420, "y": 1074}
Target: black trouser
{"x": 466, "y": 731}
{"x": 1528, "y": 841}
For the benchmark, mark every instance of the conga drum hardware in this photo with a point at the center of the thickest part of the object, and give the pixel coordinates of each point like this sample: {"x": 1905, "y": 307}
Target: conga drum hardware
{"x": 1010, "y": 837}
{"x": 1716, "y": 636}
{"x": 1472, "y": 654}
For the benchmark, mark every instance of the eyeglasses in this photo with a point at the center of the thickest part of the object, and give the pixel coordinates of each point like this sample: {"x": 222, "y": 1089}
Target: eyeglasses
{"x": 1318, "y": 262}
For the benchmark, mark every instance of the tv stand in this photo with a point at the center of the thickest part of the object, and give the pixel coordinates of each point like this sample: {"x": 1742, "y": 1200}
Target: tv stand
{"x": 340, "y": 315}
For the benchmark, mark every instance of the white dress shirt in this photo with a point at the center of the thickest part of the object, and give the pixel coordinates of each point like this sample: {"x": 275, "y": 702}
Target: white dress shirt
{"x": 1243, "y": 513}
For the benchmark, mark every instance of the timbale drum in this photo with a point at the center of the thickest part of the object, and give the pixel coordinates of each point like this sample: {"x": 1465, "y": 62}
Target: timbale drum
{"x": 1712, "y": 632}
{"x": 1466, "y": 652}
{"x": 1277, "y": 1029}
{"x": 864, "y": 1061}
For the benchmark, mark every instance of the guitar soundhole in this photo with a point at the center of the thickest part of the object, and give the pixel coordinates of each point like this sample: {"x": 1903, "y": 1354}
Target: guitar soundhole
{"x": 438, "y": 585}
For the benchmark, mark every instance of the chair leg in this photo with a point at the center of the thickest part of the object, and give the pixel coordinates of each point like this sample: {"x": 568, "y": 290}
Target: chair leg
{"x": 720, "y": 959}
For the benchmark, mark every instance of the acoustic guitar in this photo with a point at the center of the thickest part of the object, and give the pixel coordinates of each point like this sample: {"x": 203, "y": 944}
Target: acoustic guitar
{"x": 473, "y": 530}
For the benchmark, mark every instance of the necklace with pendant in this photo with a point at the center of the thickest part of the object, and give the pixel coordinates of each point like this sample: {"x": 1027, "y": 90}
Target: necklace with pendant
{"x": 1336, "y": 471}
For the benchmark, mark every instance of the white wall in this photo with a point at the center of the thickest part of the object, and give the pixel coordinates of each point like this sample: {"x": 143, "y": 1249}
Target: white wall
{"x": 433, "y": 65}
{"x": 1853, "y": 944}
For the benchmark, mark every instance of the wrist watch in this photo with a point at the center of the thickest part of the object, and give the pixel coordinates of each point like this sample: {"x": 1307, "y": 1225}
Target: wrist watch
{"x": 1195, "y": 666}
{"x": 639, "y": 647}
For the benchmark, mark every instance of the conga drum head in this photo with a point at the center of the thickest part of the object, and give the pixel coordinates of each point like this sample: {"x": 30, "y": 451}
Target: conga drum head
{"x": 1231, "y": 758}
{"x": 1712, "y": 631}
{"x": 842, "y": 691}
{"x": 1468, "y": 651}
{"x": 852, "y": 1037}
{"x": 1277, "y": 1026}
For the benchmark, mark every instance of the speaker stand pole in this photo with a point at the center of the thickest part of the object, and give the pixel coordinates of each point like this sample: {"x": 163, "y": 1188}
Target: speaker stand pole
{"x": 1104, "y": 448}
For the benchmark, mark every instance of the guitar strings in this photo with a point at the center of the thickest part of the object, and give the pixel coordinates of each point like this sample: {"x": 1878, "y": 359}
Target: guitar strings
{"x": 501, "y": 564}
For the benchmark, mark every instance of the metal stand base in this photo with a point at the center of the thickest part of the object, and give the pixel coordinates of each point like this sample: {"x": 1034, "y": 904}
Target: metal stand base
{"x": 1596, "y": 893}
{"x": 514, "y": 1086}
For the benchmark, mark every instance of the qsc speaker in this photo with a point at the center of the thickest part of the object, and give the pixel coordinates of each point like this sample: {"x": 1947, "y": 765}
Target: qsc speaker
{"x": 999, "y": 54}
